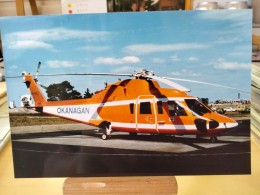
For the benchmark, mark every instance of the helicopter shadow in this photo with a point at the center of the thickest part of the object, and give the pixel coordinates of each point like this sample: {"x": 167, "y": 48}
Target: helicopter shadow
{"x": 159, "y": 138}
{"x": 199, "y": 144}
{"x": 154, "y": 139}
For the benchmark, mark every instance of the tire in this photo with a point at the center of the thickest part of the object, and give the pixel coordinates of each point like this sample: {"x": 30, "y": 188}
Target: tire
{"x": 133, "y": 134}
{"x": 213, "y": 139}
{"x": 104, "y": 136}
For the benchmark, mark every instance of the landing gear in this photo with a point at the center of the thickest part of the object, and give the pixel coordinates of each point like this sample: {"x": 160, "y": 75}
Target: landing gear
{"x": 107, "y": 130}
{"x": 213, "y": 139}
{"x": 133, "y": 134}
{"x": 104, "y": 136}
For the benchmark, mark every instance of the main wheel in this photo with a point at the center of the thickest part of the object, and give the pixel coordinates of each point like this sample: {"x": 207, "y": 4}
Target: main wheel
{"x": 213, "y": 139}
{"x": 173, "y": 138}
{"x": 106, "y": 130}
{"x": 104, "y": 136}
{"x": 133, "y": 134}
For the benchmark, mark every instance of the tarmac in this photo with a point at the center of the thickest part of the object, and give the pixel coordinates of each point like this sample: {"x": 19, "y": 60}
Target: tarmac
{"x": 143, "y": 142}
{"x": 50, "y": 128}
{"x": 74, "y": 152}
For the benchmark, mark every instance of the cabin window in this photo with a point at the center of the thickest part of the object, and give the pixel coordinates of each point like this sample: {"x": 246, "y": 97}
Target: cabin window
{"x": 132, "y": 108}
{"x": 175, "y": 109}
{"x": 197, "y": 107}
{"x": 145, "y": 108}
{"x": 159, "y": 107}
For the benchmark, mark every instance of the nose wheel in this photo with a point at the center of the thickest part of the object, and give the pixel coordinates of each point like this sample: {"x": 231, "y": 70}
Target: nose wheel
{"x": 213, "y": 139}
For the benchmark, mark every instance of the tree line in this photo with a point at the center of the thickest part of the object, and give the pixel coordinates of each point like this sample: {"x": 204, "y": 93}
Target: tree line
{"x": 65, "y": 91}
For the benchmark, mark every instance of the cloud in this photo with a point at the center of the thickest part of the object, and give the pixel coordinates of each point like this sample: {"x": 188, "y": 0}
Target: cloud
{"x": 232, "y": 65}
{"x": 192, "y": 59}
{"x": 243, "y": 48}
{"x": 237, "y": 23}
{"x": 175, "y": 58}
{"x": 13, "y": 67}
{"x": 142, "y": 49}
{"x": 61, "y": 64}
{"x": 41, "y": 38}
{"x": 222, "y": 40}
{"x": 236, "y": 16}
{"x": 29, "y": 44}
{"x": 176, "y": 73}
{"x": 158, "y": 60}
{"x": 185, "y": 72}
{"x": 95, "y": 48}
{"x": 116, "y": 61}
{"x": 85, "y": 65}
{"x": 55, "y": 34}
{"x": 238, "y": 54}
{"x": 125, "y": 69}
{"x": 221, "y": 60}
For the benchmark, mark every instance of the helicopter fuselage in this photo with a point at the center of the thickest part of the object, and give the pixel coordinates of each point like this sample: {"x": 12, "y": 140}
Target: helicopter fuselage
{"x": 137, "y": 106}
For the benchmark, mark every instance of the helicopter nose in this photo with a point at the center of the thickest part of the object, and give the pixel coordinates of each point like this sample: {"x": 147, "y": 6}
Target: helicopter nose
{"x": 231, "y": 125}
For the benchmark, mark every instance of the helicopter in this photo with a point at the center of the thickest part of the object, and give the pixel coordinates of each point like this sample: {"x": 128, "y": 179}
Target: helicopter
{"x": 137, "y": 105}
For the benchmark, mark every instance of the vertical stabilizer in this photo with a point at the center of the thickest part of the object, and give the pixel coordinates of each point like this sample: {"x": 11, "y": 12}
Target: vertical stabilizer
{"x": 37, "y": 95}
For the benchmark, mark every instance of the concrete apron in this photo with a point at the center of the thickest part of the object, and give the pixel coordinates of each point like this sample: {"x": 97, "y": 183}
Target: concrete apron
{"x": 50, "y": 128}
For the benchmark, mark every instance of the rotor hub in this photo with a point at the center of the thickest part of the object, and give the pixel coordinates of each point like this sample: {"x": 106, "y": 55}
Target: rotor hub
{"x": 143, "y": 73}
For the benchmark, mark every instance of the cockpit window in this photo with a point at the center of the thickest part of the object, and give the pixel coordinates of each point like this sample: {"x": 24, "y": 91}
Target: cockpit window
{"x": 175, "y": 109}
{"x": 197, "y": 107}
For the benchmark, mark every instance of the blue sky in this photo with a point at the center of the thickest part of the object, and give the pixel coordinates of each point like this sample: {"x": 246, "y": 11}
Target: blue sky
{"x": 210, "y": 46}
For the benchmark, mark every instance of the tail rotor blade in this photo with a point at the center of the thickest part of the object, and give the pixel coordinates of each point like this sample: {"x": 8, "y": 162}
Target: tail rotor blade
{"x": 38, "y": 69}
{"x": 43, "y": 86}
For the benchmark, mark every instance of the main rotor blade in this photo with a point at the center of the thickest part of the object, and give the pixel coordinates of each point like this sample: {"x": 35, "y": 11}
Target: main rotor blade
{"x": 170, "y": 83}
{"x": 77, "y": 74}
{"x": 205, "y": 83}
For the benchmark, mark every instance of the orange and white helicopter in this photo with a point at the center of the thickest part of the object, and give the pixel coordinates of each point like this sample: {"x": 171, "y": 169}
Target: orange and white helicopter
{"x": 137, "y": 105}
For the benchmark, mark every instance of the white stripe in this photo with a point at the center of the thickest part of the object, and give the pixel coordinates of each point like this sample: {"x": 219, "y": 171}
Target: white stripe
{"x": 169, "y": 127}
{"x": 227, "y": 125}
{"x": 126, "y": 102}
{"x": 152, "y": 126}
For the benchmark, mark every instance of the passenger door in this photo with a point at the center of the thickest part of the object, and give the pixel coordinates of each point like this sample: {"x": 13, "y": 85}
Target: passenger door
{"x": 145, "y": 113}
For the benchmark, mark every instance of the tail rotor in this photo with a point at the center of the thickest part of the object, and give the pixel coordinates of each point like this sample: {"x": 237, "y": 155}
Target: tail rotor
{"x": 36, "y": 76}
{"x": 37, "y": 72}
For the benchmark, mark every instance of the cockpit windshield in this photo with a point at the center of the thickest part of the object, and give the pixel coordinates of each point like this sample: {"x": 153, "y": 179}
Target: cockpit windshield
{"x": 197, "y": 107}
{"x": 175, "y": 109}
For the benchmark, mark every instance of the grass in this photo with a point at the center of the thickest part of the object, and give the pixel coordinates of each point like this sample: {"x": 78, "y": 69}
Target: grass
{"x": 36, "y": 119}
